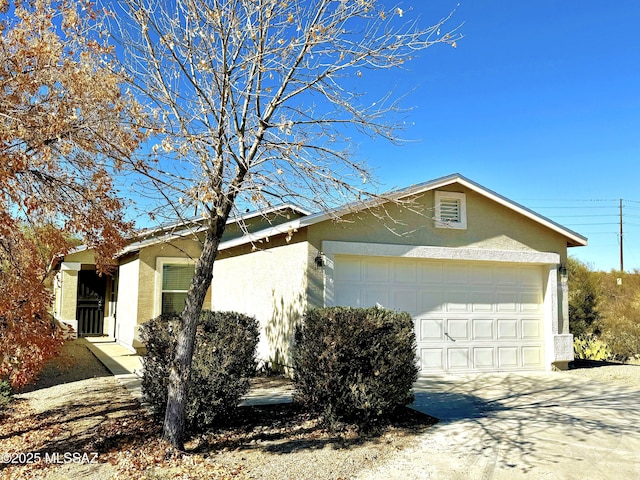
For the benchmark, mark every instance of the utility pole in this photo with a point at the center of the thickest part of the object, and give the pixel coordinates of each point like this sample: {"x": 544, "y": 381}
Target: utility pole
{"x": 621, "y": 247}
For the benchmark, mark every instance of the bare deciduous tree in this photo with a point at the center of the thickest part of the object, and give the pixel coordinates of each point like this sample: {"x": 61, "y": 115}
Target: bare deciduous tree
{"x": 255, "y": 103}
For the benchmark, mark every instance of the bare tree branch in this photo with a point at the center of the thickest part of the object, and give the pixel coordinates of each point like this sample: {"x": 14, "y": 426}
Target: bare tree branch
{"x": 256, "y": 102}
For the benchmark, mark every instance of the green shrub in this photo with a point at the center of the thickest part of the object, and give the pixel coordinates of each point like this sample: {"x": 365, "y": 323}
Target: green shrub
{"x": 223, "y": 363}
{"x": 158, "y": 336}
{"x": 585, "y": 294}
{"x": 354, "y": 365}
{"x": 590, "y": 347}
{"x": 5, "y": 393}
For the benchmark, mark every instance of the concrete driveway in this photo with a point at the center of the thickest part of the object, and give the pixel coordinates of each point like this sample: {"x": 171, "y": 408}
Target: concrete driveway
{"x": 534, "y": 426}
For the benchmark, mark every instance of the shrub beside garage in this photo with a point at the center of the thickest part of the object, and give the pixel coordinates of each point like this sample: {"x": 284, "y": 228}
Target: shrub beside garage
{"x": 355, "y": 365}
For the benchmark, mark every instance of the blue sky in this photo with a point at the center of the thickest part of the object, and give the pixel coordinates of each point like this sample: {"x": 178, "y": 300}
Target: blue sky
{"x": 540, "y": 102}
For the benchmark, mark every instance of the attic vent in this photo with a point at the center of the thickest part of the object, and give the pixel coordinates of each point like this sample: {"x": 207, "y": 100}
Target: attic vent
{"x": 450, "y": 210}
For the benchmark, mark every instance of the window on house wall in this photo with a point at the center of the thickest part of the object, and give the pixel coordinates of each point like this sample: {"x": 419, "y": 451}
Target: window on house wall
{"x": 451, "y": 210}
{"x": 175, "y": 283}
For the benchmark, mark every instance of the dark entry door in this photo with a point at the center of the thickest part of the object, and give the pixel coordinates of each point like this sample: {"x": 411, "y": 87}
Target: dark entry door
{"x": 91, "y": 299}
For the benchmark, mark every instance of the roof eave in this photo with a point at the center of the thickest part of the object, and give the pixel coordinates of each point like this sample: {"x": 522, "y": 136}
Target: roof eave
{"x": 192, "y": 227}
{"x": 574, "y": 239}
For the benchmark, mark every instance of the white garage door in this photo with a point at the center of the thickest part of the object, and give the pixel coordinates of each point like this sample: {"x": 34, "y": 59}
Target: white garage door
{"x": 469, "y": 316}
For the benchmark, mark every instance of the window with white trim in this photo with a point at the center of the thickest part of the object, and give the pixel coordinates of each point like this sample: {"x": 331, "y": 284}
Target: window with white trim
{"x": 451, "y": 210}
{"x": 176, "y": 278}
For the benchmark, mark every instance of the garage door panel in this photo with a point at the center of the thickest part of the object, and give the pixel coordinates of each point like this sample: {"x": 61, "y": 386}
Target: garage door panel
{"x": 481, "y": 275}
{"x": 530, "y": 276}
{"x": 456, "y": 274}
{"x": 482, "y": 329}
{"x": 507, "y": 302}
{"x": 532, "y": 357}
{"x": 405, "y": 273}
{"x": 347, "y": 270}
{"x": 508, "y": 357}
{"x": 431, "y": 329}
{"x": 468, "y": 315}
{"x": 457, "y": 301}
{"x": 431, "y": 301}
{"x": 507, "y": 329}
{"x": 531, "y": 328}
{"x": 405, "y": 300}
{"x": 482, "y": 301}
{"x": 375, "y": 296}
{"x": 458, "y": 329}
{"x": 483, "y": 358}
{"x": 432, "y": 359}
{"x": 506, "y": 276}
{"x": 376, "y": 271}
{"x": 530, "y": 302}
{"x": 431, "y": 273}
{"x": 348, "y": 296}
{"x": 458, "y": 358}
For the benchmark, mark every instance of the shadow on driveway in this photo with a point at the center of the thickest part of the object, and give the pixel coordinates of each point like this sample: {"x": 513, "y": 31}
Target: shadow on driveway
{"x": 551, "y": 424}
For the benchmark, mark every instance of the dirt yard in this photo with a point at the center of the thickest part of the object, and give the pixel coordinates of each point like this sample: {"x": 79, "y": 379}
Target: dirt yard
{"x": 79, "y": 422}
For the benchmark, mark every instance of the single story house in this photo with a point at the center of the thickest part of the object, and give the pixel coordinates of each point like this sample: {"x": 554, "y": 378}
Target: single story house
{"x": 483, "y": 277}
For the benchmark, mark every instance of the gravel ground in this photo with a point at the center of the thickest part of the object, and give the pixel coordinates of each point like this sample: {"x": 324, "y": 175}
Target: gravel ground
{"x": 76, "y": 405}
{"x": 625, "y": 375}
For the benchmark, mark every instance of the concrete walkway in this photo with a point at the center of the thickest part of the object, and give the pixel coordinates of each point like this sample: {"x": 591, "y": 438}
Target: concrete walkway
{"x": 512, "y": 426}
{"x": 124, "y": 364}
{"x": 126, "y": 367}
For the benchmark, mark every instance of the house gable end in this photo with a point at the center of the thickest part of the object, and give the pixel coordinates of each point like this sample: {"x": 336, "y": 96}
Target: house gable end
{"x": 453, "y": 183}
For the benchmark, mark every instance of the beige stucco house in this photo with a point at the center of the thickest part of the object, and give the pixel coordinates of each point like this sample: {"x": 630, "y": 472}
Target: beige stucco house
{"x": 483, "y": 277}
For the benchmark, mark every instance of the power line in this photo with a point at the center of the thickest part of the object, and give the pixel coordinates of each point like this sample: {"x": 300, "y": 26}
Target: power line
{"x": 589, "y": 224}
{"x": 576, "y": 200}
{"x": 587, "y": 216}
{"x": 569, "y": 207}
{"x": 605, "y": 219}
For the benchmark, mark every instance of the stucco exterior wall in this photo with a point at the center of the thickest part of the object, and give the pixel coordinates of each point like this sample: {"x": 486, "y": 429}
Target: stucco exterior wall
{"x": 66, "y": 293}
{"x": 489, "y": 226}
{"x": 269, "y": 284}
{"x": 127, "y": 303}
{"x": 86, "y": 257}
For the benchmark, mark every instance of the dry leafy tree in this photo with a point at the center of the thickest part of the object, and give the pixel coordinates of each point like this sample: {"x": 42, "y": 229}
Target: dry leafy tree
{"x": 256, "y": 103}
{"x": 64, "y": 127}
{"x": 27, "y": 335}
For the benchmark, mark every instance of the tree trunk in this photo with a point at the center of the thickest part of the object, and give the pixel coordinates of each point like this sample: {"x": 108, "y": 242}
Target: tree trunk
{"x": 174, "y": 420}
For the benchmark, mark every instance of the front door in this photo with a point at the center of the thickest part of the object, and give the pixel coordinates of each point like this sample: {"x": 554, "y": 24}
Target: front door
{"x": 91, "y": 301}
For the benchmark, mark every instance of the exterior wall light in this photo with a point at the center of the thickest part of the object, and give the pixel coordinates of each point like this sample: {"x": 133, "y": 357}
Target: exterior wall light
{"x": 564, "y": 274}
{"x": 319, "y": 261}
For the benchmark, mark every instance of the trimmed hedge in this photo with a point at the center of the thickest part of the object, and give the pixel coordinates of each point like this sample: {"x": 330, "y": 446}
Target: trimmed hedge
{"x": 355, "y": 365}
{"x": 224, "y": 360}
